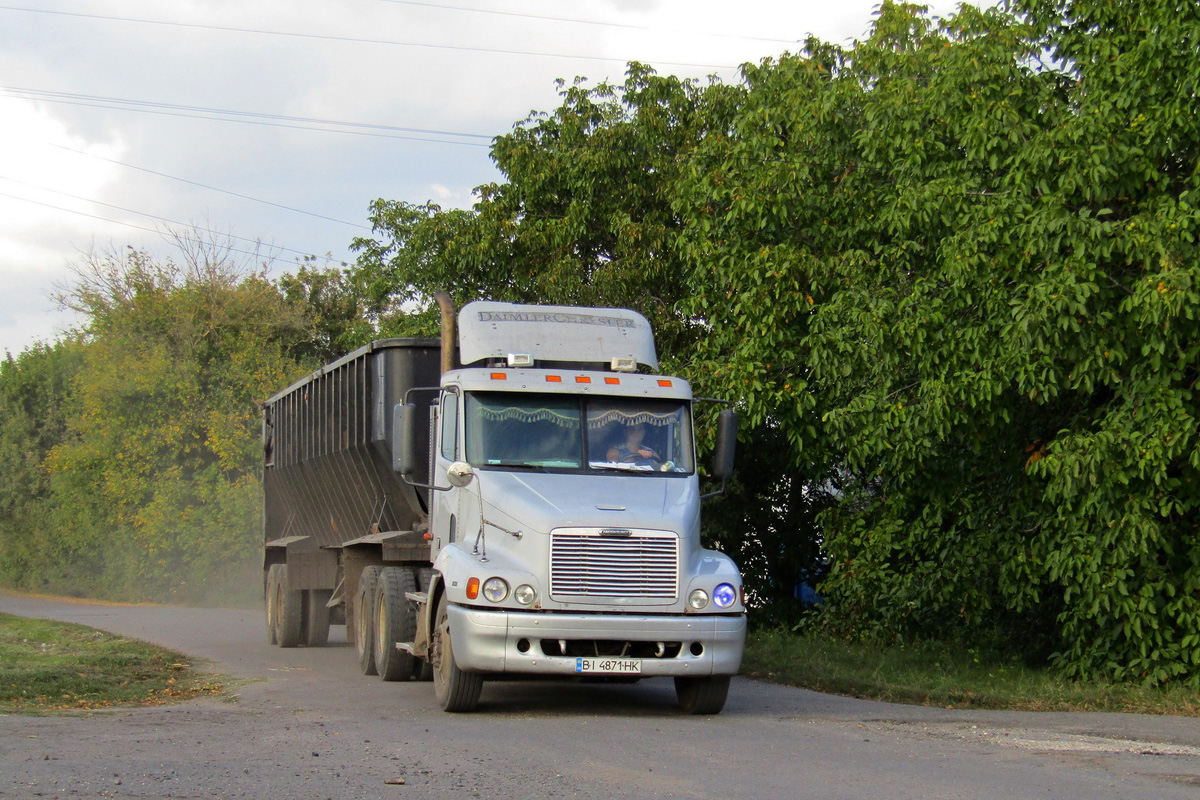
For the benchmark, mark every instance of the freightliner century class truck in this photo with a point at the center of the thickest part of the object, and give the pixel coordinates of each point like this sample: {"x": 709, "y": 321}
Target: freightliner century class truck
{"x": 526, "y": 503}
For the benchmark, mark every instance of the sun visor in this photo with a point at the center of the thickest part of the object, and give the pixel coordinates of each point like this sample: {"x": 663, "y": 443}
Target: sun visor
{"x": 488, "y": 330}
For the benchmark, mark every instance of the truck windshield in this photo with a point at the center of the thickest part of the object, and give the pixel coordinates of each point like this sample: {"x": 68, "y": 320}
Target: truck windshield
{"x": 532, "y": 431}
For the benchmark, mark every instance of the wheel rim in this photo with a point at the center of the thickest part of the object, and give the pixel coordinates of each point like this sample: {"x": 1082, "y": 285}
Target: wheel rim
{"x": 362, "y": 626}
{"x": 381, "y": 626}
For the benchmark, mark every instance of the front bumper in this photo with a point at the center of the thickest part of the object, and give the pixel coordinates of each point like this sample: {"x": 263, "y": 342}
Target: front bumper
{"x": 523, "y": 642}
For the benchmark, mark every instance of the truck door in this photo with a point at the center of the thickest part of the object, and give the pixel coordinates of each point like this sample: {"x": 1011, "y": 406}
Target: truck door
{"x": 445, "y": 517}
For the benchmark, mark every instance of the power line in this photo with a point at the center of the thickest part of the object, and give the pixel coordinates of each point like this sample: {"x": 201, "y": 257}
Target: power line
{"x": 246, "y": 117}
{"x": 206, "y": 186}
{"x": 625, "y": 25}
{"x": 132, "y": 211}
{"x": 120, "y": 222}
{"x": 213, "y": 188}
{"x": 359, "y": 40}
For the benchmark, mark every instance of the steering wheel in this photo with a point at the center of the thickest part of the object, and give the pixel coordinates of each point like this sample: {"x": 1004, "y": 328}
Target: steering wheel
{"x": 637, "y": 458}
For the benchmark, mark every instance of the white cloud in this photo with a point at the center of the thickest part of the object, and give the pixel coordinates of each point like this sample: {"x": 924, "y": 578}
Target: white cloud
{"x": 44, "y": 170}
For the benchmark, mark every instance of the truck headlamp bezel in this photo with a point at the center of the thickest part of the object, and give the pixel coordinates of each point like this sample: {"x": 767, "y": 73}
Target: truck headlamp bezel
{"x": 698, "y": 599}
{"x": 495, "y": 589}
{"x": 525, "y": 594}
{"x": 725, "y": 595}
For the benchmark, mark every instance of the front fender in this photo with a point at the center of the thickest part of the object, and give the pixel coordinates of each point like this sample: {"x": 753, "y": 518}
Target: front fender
{"x": 457, "y": 564}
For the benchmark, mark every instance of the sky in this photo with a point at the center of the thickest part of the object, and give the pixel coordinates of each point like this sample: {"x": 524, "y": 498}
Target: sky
{"x": 275, "y": 123}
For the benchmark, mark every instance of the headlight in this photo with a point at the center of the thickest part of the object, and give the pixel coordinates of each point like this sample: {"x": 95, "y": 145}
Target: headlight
{"x": 495, "y": 589}
{"x": 525, "y": 594}
{"x": 725, "y": 595}
{"x": 698, "y": 599}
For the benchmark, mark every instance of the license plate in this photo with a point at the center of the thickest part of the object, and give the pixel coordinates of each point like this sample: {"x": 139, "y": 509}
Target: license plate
{"x": 609, "y": 666}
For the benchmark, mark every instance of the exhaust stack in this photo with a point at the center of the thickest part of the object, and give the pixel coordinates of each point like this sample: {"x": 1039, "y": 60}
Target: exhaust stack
{"x": 448, "y": 332}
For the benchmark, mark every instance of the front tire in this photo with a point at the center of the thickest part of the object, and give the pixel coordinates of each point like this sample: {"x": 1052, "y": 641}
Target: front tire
{"x": 395, "y": 621}
{"x": 455, "y": 690}
{"x": 422, "y": 668}
{"x": 702, "y": 695}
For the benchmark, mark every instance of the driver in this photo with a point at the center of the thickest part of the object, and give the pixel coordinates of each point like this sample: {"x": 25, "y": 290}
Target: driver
{"x": 633, "y": 448}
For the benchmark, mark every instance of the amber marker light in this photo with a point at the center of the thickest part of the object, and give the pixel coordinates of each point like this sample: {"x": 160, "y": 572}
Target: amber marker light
{"x": 612, "y": 381}
{"x": 473, "y": 588}
{"x": 583, "y": 379}
{"x": 665, "y": 384}
{"x": 553, "y": 379}
{"x": 499, "y": 376}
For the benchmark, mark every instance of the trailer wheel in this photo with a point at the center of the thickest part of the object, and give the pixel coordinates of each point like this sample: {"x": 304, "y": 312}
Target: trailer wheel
{"x": 702, "y": 695}
{"x": 422, "y": 668}
{"x": 364, "y": 620}
{"x": 395, "y": 621}
{"x": 284, "y": 607}
{"x": 316, "y": 617}
{"x": 455, "y": 690}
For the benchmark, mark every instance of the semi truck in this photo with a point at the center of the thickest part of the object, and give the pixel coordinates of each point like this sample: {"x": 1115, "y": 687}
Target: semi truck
{"x": 517, "y": 498}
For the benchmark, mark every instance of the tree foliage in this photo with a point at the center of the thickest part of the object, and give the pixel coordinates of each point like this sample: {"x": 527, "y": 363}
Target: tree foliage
{"x": 586, "y": 216}
{"x": 949, "y": 272}
{"x": 957, "y": 262}
{"x": 583, "y": 217}
{"x": 141, "y": 437}
{"x": 35, "y": 405}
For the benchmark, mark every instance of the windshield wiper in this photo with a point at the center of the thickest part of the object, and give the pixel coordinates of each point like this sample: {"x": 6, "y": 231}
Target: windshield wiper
{"x": 516, "y": 465}
{"x": 622, "y": 470}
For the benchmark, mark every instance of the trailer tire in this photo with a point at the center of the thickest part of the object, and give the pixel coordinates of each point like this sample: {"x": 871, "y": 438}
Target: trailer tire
{"x": 364, "y": 620}
{"x": 455, "y": 690}
{"x": 316, "y": 617}
{"x": 395, "y": 621}
{"x": 422, "y": 667}
{"x": 702, "y": 695}
{"x": 285, "y": 609}
{"x": 269, "y": 603}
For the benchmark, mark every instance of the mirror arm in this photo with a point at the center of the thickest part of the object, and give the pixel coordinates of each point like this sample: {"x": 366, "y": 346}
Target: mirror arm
{"x": 426, "y": 485}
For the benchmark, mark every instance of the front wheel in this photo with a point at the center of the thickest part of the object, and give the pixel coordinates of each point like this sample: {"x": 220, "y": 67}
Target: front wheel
{"x": 455, "y": 690}
{"x": 422, "y": 669}
{"x": 702, "y": 695}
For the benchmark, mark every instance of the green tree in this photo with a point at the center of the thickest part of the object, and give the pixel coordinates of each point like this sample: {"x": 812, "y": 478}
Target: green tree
{"x": 160, "y": 464}
{"x": 583, "y": 217}
{"x": 586, "y": 215}
{"x": 956, "y": 263}
{"x": 333, "y": 311}
{"x": 35, "y": 405}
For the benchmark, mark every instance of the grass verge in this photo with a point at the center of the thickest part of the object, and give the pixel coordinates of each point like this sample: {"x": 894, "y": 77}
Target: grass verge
{"x": 57, "y": 666}
{"x": 940, "y": 675}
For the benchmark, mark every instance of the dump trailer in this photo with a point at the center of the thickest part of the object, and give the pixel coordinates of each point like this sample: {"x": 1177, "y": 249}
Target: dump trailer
{"x": 517, "y": 498}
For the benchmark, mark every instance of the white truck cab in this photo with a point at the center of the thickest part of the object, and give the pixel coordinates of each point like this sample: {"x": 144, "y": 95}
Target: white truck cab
{"x": 564, "y": 512}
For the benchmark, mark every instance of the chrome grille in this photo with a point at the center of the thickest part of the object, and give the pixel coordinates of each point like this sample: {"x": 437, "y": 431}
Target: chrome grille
{"x": 644, "y": 564}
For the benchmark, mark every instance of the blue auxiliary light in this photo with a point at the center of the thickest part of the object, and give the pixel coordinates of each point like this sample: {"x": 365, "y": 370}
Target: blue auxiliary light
{"x": 725, "y": 595}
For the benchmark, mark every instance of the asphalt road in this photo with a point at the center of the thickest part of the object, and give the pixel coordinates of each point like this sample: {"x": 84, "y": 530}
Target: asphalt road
{"x": 305, "y": 724}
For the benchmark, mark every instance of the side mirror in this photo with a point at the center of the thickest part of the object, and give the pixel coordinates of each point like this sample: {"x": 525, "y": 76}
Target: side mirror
{"x": 459, "y": 474}
{"x": 727, "y": 423}
{"x": 404, "y": 436}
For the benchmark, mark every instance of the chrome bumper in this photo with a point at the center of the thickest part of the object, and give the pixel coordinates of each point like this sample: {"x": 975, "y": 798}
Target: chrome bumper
{"x": 492, "y": 641}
